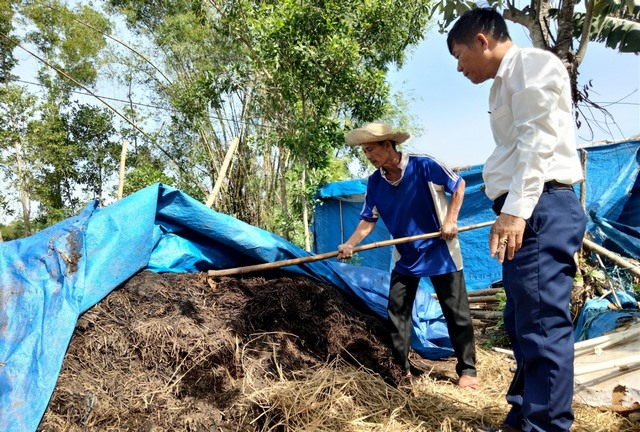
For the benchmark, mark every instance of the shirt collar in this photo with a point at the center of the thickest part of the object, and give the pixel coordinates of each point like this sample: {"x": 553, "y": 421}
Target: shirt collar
{"x": 404, "y": 161}
{"x": 510, "y": 54}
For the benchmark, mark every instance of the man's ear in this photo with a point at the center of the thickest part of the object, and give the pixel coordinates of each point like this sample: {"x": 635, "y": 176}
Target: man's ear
{"x": 483, "y": 41}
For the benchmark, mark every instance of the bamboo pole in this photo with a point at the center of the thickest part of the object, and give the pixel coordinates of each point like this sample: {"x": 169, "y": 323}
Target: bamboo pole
{"x": 483, "y": 292}
{"x": 223, "y": 172}
{"x": 622, "y": 363}
{"x": 477, "y": 299}
{"x": 318, "y": 257}
{"x": 618, "y": 260}
{"x": 605, "y": 341}
{"x": 123, "y": 158}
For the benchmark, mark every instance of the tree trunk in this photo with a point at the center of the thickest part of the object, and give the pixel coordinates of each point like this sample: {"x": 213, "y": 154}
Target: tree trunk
{"x": 24, "y": 194}
{"x": 123, "y": 158}
{"x": 284, "y": 157}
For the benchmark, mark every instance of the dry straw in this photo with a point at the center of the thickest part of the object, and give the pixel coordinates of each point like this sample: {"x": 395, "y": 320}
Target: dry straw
{"x": 339, "y": 397}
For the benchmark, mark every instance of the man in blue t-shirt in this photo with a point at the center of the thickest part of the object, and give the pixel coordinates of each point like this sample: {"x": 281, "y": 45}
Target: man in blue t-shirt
{"x": 409, "y": 193}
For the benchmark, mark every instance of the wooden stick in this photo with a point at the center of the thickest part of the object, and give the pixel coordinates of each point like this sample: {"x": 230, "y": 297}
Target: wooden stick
{"x": 318, "y": 257}
{"x": 623, "y": 263}
{"x": 484, "y": 314}
{"x": 583, "y": 183}
{"x": 608, "y": 279}
{"x": 605, "y": 341}
{"x": 223, "y": 172}
{"x": 619, "y": 363}
{"x": 483, "y": 292}
{"x": 503, "y": 351}
{"x": 123, "y": 158}
{"x": 477, "y": 299}
{"x": 484, "y": 299}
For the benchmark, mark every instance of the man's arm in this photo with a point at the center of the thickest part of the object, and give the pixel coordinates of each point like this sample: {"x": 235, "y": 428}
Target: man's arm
{"x": 364, "y": 228}
{"x": 449, "y": 228}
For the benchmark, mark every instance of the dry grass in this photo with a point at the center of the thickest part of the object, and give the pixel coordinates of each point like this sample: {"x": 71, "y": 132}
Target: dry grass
{"x": 340, "y": 397}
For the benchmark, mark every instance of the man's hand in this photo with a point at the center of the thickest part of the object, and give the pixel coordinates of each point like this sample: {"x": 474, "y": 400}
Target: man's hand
{"x": 448, "y": 230}
{"x": 505, "y": 237}
{"x": 345, "y": 251}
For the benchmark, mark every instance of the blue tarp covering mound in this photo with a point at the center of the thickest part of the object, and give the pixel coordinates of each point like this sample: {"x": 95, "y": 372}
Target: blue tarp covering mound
{"x": 48, "y": 280}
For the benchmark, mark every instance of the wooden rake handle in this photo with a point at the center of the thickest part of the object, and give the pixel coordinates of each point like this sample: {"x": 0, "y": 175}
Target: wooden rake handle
{"x": 319, "y": 257}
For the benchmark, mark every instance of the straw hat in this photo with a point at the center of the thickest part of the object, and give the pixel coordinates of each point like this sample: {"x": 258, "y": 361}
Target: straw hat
{"x": 374, "y": 132}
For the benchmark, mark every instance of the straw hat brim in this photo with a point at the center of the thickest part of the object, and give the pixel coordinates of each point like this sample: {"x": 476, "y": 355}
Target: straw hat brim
{"x": 361, "y": 136}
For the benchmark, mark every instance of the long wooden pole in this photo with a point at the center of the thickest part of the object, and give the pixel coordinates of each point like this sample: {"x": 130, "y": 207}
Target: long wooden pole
{"x": 318, "y": 257}
{"x": 223, "y": 172}
{"x": 593, "y": 345}
{"x": 623, "y": 263}
{"x": 123, "y": 158}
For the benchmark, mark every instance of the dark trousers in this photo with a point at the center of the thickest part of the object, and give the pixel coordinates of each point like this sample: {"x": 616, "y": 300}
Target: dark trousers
{"x": 538, "y": 283}
{"x": 452, "y": 295}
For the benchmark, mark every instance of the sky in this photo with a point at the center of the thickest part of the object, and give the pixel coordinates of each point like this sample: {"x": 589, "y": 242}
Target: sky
{"x": 453, "y": 112}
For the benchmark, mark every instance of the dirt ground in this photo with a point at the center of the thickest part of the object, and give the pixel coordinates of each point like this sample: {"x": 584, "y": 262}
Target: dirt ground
{"x": 176, "y": 352}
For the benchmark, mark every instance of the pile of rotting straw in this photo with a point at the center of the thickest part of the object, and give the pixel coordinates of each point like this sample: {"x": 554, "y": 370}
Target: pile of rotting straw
{"x": 169, "y": 352}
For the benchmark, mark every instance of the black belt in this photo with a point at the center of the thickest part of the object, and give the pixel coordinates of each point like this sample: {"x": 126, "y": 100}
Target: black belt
{"x": 550, "y": 185}
{"x": 553, "y": 184}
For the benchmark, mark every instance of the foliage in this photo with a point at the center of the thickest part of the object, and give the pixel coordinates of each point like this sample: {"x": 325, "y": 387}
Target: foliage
{"x": 7, "y": 43}
{"x": 15, "y": 229}
{"x": 49, "y": 142}
{"x": 91, "y": 129}
{"x": 284, "y": 77}
{"x": 615, "y": 24}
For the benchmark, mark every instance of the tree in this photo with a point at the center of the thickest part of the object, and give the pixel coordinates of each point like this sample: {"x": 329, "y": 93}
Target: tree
{"x": 7, "y": 43}
{"x": 284, "y": 77}
{"x": 16, "y": 111}
{"x": 68, "y": 53}
{"x": 91, "y": 129}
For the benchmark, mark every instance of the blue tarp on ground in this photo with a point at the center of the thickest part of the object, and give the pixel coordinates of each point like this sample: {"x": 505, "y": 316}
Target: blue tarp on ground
{"x": 48, "y": 280}
{"x": 597, "y": 317}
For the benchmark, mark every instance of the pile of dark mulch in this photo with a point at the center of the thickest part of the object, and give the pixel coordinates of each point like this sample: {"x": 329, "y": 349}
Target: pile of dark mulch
{"x": 168, "y": 352}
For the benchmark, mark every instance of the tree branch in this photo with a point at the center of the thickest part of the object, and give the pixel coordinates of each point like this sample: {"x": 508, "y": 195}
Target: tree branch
{"x": 586, "y": 29}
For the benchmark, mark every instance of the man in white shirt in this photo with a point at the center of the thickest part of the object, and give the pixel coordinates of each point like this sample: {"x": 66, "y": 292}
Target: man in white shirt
{"x": 540, "y": 224}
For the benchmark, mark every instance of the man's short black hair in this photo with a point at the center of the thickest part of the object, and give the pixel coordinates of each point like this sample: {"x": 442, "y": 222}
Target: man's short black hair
{"x": 474, "y": 21}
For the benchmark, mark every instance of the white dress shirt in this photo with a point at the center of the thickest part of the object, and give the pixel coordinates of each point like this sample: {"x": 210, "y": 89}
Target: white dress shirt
{"x": 532, "y": 125}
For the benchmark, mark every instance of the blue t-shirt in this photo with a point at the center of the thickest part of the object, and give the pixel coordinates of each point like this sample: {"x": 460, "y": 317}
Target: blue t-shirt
{"x": 409, "y": 208}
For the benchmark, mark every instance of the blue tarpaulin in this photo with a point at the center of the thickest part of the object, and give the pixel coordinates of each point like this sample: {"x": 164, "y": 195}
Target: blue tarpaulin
{"x": 597, "y": 317}
{"x": 49, "y": 279}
